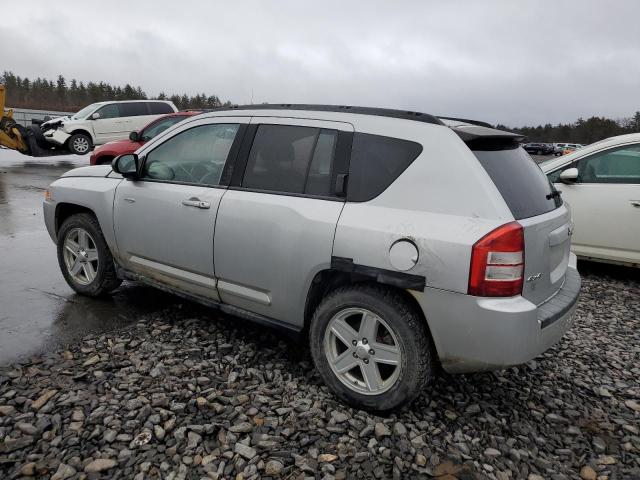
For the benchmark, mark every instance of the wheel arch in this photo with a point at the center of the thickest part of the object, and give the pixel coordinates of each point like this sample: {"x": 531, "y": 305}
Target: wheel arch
{"x": 65, "y": 210}
{"x": 331, "y": 279}
{"x": 83, "y": 131}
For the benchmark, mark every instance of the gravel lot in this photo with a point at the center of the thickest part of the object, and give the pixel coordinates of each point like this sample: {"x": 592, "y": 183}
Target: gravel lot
{"x": 179, "y": 395}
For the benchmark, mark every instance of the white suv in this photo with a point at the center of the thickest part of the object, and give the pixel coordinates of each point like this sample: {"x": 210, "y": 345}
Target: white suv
{"x": 395, "y": 239}
{"x": 103, "y": 122}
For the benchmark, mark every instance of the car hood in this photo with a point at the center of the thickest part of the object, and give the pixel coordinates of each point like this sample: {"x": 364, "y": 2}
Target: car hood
{"x": 92, "y": 171}
{"x": 55, "y": 121}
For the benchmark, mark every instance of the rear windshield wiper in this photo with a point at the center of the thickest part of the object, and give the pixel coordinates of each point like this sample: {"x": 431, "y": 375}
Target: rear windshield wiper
{"x": 554, "y": 194}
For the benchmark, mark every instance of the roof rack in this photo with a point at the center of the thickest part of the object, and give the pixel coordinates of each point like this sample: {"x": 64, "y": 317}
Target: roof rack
{"x": 382, "y": 112}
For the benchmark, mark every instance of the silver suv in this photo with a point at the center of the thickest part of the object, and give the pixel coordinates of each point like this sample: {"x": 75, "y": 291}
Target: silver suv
{"x": 397, "y": 240}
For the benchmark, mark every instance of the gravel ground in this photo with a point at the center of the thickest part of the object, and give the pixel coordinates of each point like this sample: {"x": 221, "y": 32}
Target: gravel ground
{"x": 180, "y": 396}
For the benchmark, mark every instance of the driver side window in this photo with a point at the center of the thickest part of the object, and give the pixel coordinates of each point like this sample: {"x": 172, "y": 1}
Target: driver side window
{"x": 109, "y": 111}
{"x": 195, "y": 156}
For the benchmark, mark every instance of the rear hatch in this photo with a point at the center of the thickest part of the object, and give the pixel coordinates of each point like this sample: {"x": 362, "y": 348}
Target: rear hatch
{"x": 537, "y": 206}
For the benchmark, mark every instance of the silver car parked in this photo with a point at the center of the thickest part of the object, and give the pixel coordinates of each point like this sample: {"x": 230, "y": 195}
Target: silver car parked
{"x": 396, "y": 240}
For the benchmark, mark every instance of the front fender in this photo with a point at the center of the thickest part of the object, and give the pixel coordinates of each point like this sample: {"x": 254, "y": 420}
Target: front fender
{"x": 93, "y": 193}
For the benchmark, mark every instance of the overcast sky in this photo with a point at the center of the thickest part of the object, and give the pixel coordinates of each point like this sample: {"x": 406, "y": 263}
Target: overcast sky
{"x": 512, "y": 62}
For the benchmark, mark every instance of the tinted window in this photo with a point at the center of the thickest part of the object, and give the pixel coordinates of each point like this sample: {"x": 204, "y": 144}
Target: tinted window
{"x": 133, "y": 109}
{"x": 524, "y": 187}
{"x": 376, "y": 161}
{"x": 109, "y": 111}
{"x": 283, "y": 157}
{"x": 160, "y": 126}
{"x": 621, "y": 165}
{"x": 319, "y": 178}
{"x": 197, "y": 155}
{"x": 156, "y": 108}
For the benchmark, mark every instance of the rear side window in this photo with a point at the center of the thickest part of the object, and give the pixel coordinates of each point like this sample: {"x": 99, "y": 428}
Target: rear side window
{"x": 524, "y": 187}
{"x": 376, "y": 161}
{"x": 157, "y": 108}
{"x": 291, "y": 159}
{"x": 133, "y": 109}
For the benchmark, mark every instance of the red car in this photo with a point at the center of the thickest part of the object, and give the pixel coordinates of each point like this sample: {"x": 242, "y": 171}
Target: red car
{"x": 107, "y": 152}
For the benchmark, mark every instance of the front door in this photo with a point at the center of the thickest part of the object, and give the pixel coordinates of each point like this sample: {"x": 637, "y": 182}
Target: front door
{"x": 109, "y": 125}
{"x": 277, "y": 222}
{"x": 164, "y": 222}
{"x": 605, "y": 202}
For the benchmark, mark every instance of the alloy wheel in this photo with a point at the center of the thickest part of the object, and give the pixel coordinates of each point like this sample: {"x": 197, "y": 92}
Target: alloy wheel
{"x": 363, "y": 351}
{"x": 80, "y": 256}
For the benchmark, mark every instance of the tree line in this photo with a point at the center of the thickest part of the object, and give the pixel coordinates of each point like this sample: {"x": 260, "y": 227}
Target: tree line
{"x": 71, "y": 96}
{"x": 581, "y": 131}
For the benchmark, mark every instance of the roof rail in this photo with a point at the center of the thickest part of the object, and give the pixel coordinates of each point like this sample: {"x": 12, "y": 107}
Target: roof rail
{"x": 382, "y": 112}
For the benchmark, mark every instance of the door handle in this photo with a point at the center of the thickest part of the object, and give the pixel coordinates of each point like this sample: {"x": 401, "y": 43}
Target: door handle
{"x": 196, "y": 202}
{"x": 129, "y": 200}
{"x": 635, "y": 203}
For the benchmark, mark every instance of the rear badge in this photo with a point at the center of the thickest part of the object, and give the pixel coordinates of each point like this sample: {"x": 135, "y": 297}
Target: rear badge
{"x": 533, "y": 278}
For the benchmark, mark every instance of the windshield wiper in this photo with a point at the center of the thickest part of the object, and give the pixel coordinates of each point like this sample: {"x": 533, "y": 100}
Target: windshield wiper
{"x": 554, "y": 194}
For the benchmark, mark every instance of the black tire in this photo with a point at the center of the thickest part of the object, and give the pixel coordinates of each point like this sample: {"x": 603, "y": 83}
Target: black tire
{"x": 417, "y": 366}
{"x": 76, "y": 140}
{"x": 105, "y": 280}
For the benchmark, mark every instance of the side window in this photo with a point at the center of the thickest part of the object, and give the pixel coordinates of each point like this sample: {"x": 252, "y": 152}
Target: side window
{"x": 157, "y": 108}
{"x": 620, "y": 165}
{"x": 195, "y": 156}
{"x": 109, "y": 111}
{"x": 133, "y": 109}
{"x": 376, "y": 161}
{"x": 291, "y": 159}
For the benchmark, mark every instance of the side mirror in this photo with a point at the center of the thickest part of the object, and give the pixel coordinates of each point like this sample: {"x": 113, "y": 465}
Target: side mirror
{"x": 570, "y": 175}
{"x": 134, "y": 137}
{"x": 126, "y": 165}
{"x": 95, "y": 116}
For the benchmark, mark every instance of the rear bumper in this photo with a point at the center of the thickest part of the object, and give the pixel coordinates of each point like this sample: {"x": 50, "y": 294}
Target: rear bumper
{"x": 474, "y": 334}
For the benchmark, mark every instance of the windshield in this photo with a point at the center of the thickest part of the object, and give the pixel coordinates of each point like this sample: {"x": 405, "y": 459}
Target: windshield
{"x": 160, "y": 126}
{"x": 85, "y": 111}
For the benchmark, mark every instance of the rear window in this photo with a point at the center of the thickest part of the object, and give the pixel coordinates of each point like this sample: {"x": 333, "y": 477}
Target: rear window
{"x": 157, "y": 108}
{"x": 376, "y": 161}
{"x": 524, "y": 187}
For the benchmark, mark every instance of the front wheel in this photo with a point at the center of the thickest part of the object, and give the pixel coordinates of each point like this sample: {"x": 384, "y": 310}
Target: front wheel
{"x": 84, "y": 258}
{"x": 80, "y": 143}
{"x": 371, "y": 347}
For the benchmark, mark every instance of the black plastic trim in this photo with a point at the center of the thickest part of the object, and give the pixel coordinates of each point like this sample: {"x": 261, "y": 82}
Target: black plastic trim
{"x": 562, "y": 302}
{"x": 381, "y": 112}
{"x": 223, "y": 307}
{"x": 380, "y": 275}
{"x": 243, "y": 156}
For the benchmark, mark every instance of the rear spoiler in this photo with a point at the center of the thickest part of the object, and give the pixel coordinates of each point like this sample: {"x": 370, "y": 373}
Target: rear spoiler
{"x": 481, "y": 133}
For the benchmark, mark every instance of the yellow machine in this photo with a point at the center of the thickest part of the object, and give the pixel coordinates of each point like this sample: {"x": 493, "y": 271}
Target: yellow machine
{"x": 12, "y": 135}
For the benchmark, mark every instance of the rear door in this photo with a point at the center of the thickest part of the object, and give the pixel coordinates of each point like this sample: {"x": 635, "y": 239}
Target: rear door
{"x": 135, "y": 115}
{"x": 164, "y": 222}
{"x": 605, "y": 202}
{"x": 276, "y": 223}
{"x": 539, "y": 209}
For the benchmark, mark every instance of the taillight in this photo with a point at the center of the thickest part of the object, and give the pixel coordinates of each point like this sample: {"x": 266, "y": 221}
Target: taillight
{"x": 497, "y": 263}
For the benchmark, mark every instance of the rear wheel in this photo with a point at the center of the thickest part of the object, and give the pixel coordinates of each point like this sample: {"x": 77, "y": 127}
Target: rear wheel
{"x": 84, "y": 258}
{"x": 371, "y": 347}
{"x": 80, "y": 143}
